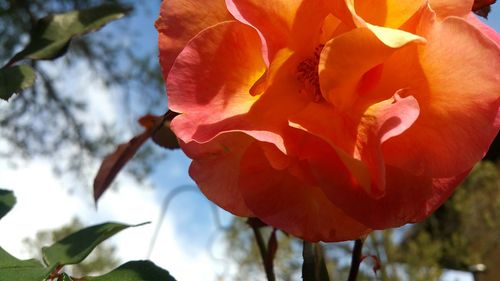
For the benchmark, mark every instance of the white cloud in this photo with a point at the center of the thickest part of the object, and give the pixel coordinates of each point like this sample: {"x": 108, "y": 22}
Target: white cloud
{"x": 44, "y": 203}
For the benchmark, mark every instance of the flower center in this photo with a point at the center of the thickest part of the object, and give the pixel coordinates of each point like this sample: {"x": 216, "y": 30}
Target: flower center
{"x": 307, "y": 75}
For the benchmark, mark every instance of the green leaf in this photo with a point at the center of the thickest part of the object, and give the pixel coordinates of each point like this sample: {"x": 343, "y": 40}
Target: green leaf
{"x": 135, "y": 271}
{"x": 77, "y": 246}
{"x": 12, "y": 269}
{"x": 51, "y": 36}
{"x": 7, "y": 201}
{"x": 14, "y": 79}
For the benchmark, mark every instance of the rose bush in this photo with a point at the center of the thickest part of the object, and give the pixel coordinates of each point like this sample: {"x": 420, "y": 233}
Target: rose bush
{"x": 329, "y": 118}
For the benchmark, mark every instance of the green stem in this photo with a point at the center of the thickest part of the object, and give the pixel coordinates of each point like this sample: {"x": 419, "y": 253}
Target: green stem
{"x": 356, "y": 260}
{"x": 314, "y": 267}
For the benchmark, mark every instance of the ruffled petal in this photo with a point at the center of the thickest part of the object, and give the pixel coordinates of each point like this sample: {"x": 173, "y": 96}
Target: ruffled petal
{"x": 211, "y": 80}
{"x": 379, "y": 123}
{"x": 408, "y": 198}
{"x": 218, "y": 70}
{"x": 445, "y": 8}
{"x": 294, "y": 24}
{"x": 215, "y": 169}
{"x": 394, "y": 38}
{"x": 388, "y": 13}
{"x": 285, "y": 200}
{"x": 485, "y": 29}
{"x": 345, "y": 65}
{"x": 456, "y": 82}
{"x": 181, "y": 20}
{"x": 358, "y": 139}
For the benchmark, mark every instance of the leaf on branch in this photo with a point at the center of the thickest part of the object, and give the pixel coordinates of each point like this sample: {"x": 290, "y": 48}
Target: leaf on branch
{"x": 482, "y": 7}
{"x": 162, "y": 134}
{"x": 12, "y": 268}
{"x": 51, "y": 35}
{"x": 157, "y": 127}
{"x": 135, "y": 271}
{"x": 15, "y": 79}
{"x": 7, "y": 201}
{"x": 115, "y": 161}
{"x": 77, "y": 246}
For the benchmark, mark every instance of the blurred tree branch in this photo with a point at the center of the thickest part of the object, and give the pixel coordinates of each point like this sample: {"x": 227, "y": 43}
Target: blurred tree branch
{"x": 48, "y": 120}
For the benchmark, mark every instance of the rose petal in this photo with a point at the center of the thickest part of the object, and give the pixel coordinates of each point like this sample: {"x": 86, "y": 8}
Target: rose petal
{"x": 343, "y": 63}
{"x": 294, "y": 24}
{"x": 339, "y": 131}
{"x": 287, "y": 202}
{"x": 394, "y": 38}
{"x": 445, "y": 8}
{"x": 358, "y": 140}
{"x": 379, "y": 123}
{"x": 217, "y": 70}
{"x": 485, "y": 29}
{"x": 215, "y": 169}
{"x": 388, "y": 13}
{"x": 181, "y": 20}
{"x": 407, "y": 199}
{"x": 211, "y": 79}
{"x": 456, "y": 82}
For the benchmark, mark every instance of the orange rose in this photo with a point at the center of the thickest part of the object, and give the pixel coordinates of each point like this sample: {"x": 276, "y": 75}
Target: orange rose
{"x": 329, "y": 119}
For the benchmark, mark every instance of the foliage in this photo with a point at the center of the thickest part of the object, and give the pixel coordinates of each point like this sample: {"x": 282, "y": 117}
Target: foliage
{"x": 73, "y": 249}
{"x": 15, "y": 79}
{"x": 105, "y": 55}
{"x": 466, "y": 227}
{"x": 15, "y": 269}
{"x": 101, "y": 260}
{"x": 50, "y": 38}
{"x": 7, "y": 201}
{"x": 51, "y": 35}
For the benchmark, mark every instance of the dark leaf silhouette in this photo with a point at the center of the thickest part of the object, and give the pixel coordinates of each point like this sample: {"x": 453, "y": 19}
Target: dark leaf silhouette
{"x": 51, "y": 36}
{"x": 15, "y": 79}
{"x": 482, "y": 7}
{"x": 7, "y": 201}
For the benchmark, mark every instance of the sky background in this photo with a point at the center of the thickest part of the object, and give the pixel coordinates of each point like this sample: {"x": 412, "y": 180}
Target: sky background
{"x": 189, "y": 245}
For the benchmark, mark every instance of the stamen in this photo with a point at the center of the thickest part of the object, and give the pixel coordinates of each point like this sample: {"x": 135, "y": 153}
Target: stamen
{"x": 307, "y": 75}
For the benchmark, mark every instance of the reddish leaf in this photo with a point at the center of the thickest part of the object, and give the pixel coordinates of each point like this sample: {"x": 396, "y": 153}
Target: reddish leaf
{"x": 162, "y": 135}
{"x": 114, "y": 162}
{"x": 157, "y": 128}
{"x": 480, "y": 4}
{"x": 483, "y": 7}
